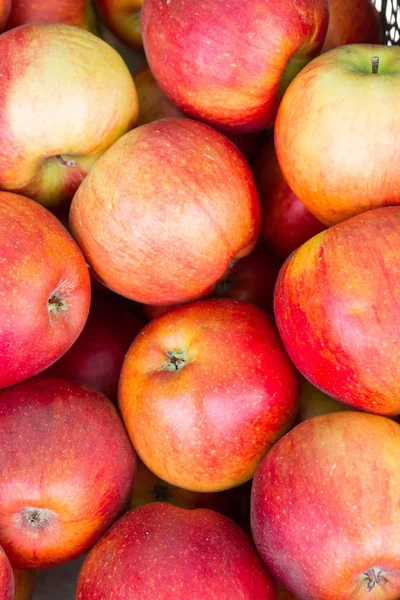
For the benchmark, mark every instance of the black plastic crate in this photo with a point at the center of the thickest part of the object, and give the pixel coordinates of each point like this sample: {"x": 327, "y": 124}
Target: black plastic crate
{"x": 390, "y": 12}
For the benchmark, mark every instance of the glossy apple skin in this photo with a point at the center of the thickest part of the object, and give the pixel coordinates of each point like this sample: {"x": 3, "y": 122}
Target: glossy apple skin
{"x": 223, "y": 63}
{"x": 317, "y": 523}
{"x": 25, "y": 582}
{"x": 122, "y": 17}
{"x": 162, "y": 551}
{"x": 72, "y": 12}
{"x": 336, "y": 307}
{"x": 6, "y": 578}
{"x": 5, "y": 7}
{"x": 66, "y": 456}
{"x": 183, "y": 206}
{"x": 286, "y": 222}
{"x": 41, "y": 268}
{"x": 324, "y": 142}
{"x": 67, "y": 99}
{"x": 352, "y": 22}
{"x": 206, "y": 426}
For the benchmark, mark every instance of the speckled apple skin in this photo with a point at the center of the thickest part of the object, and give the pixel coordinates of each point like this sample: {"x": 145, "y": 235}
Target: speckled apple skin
{"x": 6, "y": 578}
{"x": 72, "y": 12}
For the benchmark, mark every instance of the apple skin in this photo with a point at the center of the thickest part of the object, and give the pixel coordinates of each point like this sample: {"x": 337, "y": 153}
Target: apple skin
{"x": 183, "y": 206}
{"x": 313, "y": 402}
{"x": 6, "y": 578}
{"x": 324, "y": 150}
{"x": 122, "y": 17}
{"x": 68, "y": 98}
{"x": 321, "y": 529}
{"x": 286, "y": 222}
{"x": 162, "y": 551}
{"x": 352, "y": 22}
{"x": 229, "y": 64}
{"x": 205, "y": 391}
{"x": 25, "y": 582}
{"x": 68, "y": 469}
{"x": 5, "y": 7}
{"x": 336, "y": 306}
{"x": 45, "y": 289}
{"x": 73, "y": 12}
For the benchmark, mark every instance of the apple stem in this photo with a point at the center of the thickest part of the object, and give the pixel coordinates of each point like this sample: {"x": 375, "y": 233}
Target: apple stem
{"x": 175, "y": 362}
{"x": 67, "y": 163}
{"x": 375, "y": 65}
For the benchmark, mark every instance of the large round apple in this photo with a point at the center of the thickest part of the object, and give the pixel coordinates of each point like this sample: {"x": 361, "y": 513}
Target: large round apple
{"x": 73, "y": 12}
{"x": 45, "y": 289}
{"x": 66, "y": 99}
{"x": 5, "y": 7}
{"x": 164, "y": 552}
{"x": 122, "y": 17}
{"x": 322, "y": 529}
{"x": 6, "y": 578}
{"x": 337, "y": 134}
{"x": 336, "y": 307}
{"x": 228, "y": 63}
{"x": 352, "y": 22}
{"x": 165, "y": 211}
{"x": 205, "y": 391}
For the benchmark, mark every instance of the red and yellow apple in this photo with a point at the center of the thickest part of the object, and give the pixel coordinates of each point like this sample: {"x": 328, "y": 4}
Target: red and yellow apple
{"x": 164, "y": 212}
{"x": 45, "y": 289}
{"x": 24, "y": 582}
{"x": 6, "y": 578}
{"x": 352, "y": 22}
{"x": 336, "y": 137}
{"x": 313, "y": 402}
{"x": 5, "y": 7}
{"x": 164, "y": 552}
{"x": 205, "y": 391}
{"x": 322, "y": 529}
{"x": 67, "y": 470}
{"x": 228, "y": 64}
{"x": 73, "y": 12}
{"x": 122, "y": 17}
{"x": 66, "y": 99}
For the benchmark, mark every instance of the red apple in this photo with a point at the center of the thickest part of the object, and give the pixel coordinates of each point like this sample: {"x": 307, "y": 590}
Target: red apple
{"x": 162, "y": 551}
{"x": 336, "y": 309}
{"x": 338, "y": 159}
{"x": 286, "y": 222}
{"x": 122, "y": 17}
{"x": 313, "y": 402}
{"x": 5, "y": 7}
{"x": 229, "y": 64}
{"x": 96, "y": 357}
{"x": 66, "y": 99}
{"x": 6, "y": 578}
{"x": 25, "y": 582}
{"x": 164, "y": 212}
{"x": 73, "y": 12}
{"x": 322, "y": 529}
{"x": 67, "y": 468}
{"x": 205, "y": 390}
{"x": 45, "y": 289}
{"x": 352, "y": 22}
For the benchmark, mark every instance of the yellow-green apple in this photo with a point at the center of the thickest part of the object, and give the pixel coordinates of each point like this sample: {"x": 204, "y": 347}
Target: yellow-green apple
{"x": 67, "y": 470}
{"x": 24, "y": 582}
{"x": 324, "y": 141}
{"x": 352, "y": 22}
{"x": 5, "y": 7}
{"x": 162, "y": 551}
{"x": 228, "y": 64}
{"x": 6, "y": 578}
{"x": 205, "y": 391}
{"x": 336, "y": 310}
{"x": 320, "y": 528}
{"x": 313, "y": 402}
{"x": 96, "y": 357}
{"x": 122, "y": 17}
{"x": 45, "y": 289}
{"x": 66, "y": 99}
{"x": 73, "y": 12}
{"x": 286, "y": 222}
{"x": 164, "y": 212}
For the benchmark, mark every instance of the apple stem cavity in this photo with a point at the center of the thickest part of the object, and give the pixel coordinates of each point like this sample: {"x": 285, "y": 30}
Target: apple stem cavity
{"x": 56, "y": 305}
{"x": 375, "y": 64}
{"x": 67, "y": 163}
{"x": 176, "y": 361}
{"x": 374, "y": 577}
{"x": 38, "y": 518}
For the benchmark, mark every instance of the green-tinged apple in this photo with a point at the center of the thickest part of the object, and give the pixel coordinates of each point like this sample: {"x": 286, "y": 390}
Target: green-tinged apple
{"x": 24, "y": 582}
{"x": 165, "y": 211}
{"x": 228, "y": 64}
{"x": 122, "y": 17}
{"x": 286, "y": 222}
{"x": 164, "y": 552}
{"x": 323, "y": 531}
{"x": 205, "y": 391}
{"x": 5, "y": 7}
{"x": 6, "y": 578}
{"x": 45, "y": 289}
{"x": 67, "y": 470}
{"x": 66, "y": 99}
{"x": 335, "y": 144}
{"x": 73, "y": 12}
{"x": 336, "y": 309}
{"x": 352, "y": 22}
{"x": 313, "y": 402}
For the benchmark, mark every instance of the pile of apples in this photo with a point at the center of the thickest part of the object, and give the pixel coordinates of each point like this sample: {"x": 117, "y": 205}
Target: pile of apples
{"x": 199, "y": 298}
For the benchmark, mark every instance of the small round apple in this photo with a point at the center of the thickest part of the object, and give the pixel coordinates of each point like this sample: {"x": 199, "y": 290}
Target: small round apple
{"x": 5, "y": 7}
{"x": 164, "y": 552}
{"x": 68, "y": 97}
{"x": 352, "y": 22}
{"x": 6, "y": 578}
{"x": 122, "y": 17}
{"x": 72, "y": 12}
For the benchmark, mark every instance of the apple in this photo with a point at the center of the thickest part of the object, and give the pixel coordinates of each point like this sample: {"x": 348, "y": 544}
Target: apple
{"x": 321, "y": 528}
{"x": 68, "y": 97}
{"x": 24, "y": 584}
{"x": 283, "y": 593}
{"x": 96, "y": 357}
{"x": 313, "y": 402}
{"x": 73, "y": 12}
{"x": 286, "y": 222}
{"x": 352, "y": 22}
{"x": 45, "y": 289}
{"x": 5, "y": 7}
{"x": 6, "y": 578}
{"x": 162, "y": 551}
{"x": 339, "y": 160}
{"x": 164, "y": 212}
{"x": 67, "y": 470}
{"x": 205, "y": 390}
{"x": 336, "y": 310}
{"x": 229, "y": 64}
{"x": 122, "y": 17}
